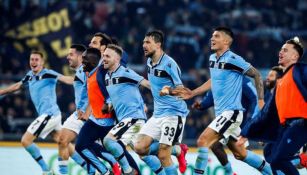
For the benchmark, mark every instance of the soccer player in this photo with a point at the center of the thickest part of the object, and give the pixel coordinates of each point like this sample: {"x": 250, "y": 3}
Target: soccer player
{"x": 227, "y": 70}
{"x": 249, "y": 102}
{"x": 290, "y": 104}
{"x": 100, "y": 42}
{"x": 123, "y": 88}
{"x": 72, "y": 125}
{"x": 167, "y": 123}
{"x": 42, "y": 86}
{"x": 99, "y": 123}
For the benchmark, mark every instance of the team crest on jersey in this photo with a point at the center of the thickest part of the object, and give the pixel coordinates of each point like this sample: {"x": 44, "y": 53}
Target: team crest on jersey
{"x": 169, "y": 65}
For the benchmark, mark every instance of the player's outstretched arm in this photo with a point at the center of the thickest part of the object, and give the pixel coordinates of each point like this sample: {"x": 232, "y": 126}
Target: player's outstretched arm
{"x": 254, "y": 73}
{"x": 12, "y": 88}
{"x": 186, "y": 93}
{"x": 66, "y": 79}
{"x": 179, "y": 91}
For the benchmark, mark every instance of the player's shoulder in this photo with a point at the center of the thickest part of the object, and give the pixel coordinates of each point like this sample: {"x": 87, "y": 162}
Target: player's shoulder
{"x": 49, "y": 71}
{"x": 212, "y": 57}
{"x": 231, "y": 55}
{"x": 29, "y": 73}
{"x": 168, "y": 61}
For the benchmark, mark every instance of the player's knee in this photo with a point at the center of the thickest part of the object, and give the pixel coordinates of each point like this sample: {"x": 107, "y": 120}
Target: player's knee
{"x": 25, "y": 142}
{"x": 107, "y": 142}
{"x": 202, "y": 142}
{"x": 140, "y": 150}
{"x": 63, "y": 142}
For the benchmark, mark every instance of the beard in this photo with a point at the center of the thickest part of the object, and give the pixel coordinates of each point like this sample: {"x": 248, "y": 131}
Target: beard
{"x": 150, "y": 54}
{"x": 270, "y": 84}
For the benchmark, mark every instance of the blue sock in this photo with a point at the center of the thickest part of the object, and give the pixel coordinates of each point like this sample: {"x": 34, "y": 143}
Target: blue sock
{"x": 154, "y": 147}
{"x": 154, "y": 163}
{"x": 35, "y": 153}
{"x": 255, "y": 161}
{"x": 228, "y": 169}
{"x": 109, "y": 157}
{"x": 94, "y": 160}
{"x": 63, "y": 168}
{"x": 79, "y": 160}
{"x": 201, "y": 161}
{"x": 171, "y": 170}
{"x": 117, "y": 151}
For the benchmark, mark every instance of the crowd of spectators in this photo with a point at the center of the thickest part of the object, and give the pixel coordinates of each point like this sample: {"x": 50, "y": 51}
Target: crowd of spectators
{"x": 260, "y": 28}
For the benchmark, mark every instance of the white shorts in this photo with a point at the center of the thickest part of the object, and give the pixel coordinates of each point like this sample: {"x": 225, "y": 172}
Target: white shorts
{"x": 228, "y": 124}
{"x": 72, "y": 123}
{"x": 168, "y": 130}
{"x": 127, "y": 129}
{"x": 45, "y": 124}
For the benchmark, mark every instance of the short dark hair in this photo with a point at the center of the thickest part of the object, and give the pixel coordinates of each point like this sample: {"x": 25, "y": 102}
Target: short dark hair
{"x": 297, "y": 45}
{"x": 114, "y": 40}
{"x": 279, "y": 71}
{"x": 116, "y": 48}
{"x": 79, "y": 47}
{"x": 37, "y": 52}
{"x": 105, "y": 38}
{"x": 157, "y": 35}
{"x": 94, "y": 51}
{"x": 226, "y": 30}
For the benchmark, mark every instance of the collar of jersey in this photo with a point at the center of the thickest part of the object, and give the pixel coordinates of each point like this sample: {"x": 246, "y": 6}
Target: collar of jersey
{"x": 218, "y": 58}
{"x": 110, "y": 73}
{"x": 160, "y": 60}
{"x": 43, "y": 70}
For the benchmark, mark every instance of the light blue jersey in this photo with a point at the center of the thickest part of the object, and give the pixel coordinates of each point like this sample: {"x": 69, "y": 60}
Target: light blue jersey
{"x": 226, "y": 81}
{"x": 81, "y": 99}
{"x": 42, "y": 89}
{"x": 123, "y": 88}
{"x": 165, "y": 73}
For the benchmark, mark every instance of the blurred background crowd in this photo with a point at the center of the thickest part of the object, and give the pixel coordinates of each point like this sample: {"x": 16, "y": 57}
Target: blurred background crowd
{"x": 260, "y": 29}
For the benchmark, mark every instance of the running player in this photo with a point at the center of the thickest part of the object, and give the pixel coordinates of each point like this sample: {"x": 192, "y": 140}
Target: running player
{"x": 167, "y": 123}
{"x": 227, "y": 71}
{"x": 72, "y": 125}
{"x": 42, "y": 86}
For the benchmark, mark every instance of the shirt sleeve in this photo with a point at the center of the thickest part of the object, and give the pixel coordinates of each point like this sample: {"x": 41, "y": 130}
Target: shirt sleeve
{"x": 131, "y": 74}
{"x": 83, "y": 103}
{"x": 175, "y": 74}
{"x": 54, "y": 73}
{"x": 25, "y": 80}
{"x": 239, "y": 64}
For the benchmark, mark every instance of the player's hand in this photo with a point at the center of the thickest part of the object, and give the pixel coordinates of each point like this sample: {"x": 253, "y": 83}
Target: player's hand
{"x": 260, "y": 103}
{"x": 165, "y": 91}
{"x": 81, "y": 115}
{"x": 241, "y": 141}
{"x": 105, "y": 109}
{"x": 196, "y": 105}
{"x": 182, "y": 92}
